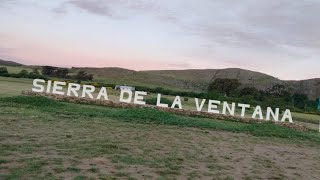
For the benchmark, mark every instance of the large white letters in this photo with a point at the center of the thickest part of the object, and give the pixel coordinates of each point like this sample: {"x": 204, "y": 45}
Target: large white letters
{"x": 38, "y": 87}
{"x": 126, "y": 96}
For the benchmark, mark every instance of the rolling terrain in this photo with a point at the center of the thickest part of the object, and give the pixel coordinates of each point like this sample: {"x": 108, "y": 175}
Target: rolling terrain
{"x": 191, "y": 79}
{"x": 42, "y": 138}
{"x": 199, "y": 79}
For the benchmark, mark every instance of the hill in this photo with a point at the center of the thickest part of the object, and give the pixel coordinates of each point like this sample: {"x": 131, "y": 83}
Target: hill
{"x": 310, "y": 87}
{"x": 192, "y": 79}
{"x": 199, "y": 79}
{"x": 9, "y": 63}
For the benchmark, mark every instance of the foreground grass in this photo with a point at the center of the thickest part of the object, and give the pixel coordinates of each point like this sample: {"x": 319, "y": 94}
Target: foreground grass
{"x": 14, "y": 86}
{"x": 45, "y": 139}
{"x": 54, "y": 109}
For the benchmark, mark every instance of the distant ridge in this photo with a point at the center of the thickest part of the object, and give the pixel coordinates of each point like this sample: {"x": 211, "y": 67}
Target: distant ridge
{"x": 9, "y": 63}
{"x": 199, "y": 79}
{"x": 192, "y": 79}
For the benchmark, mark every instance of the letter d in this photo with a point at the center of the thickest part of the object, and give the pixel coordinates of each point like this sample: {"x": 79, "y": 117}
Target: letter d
{"x": 127, "y": 100}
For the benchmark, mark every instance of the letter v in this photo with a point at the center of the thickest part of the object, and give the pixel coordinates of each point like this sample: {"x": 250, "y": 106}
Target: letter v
{"x": 199, "y": 108}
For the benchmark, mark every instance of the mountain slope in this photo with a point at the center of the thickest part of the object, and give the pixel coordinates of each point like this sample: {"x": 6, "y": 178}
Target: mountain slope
{"x": 192, "y": 79}
{"x": 310, "y": 87}
{"x": 9, "y": 63}
{"x": 199, "y": 79}
{"x": 205, "y": 76}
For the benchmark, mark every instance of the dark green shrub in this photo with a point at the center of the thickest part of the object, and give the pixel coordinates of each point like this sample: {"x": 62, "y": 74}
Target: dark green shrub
{"x": 15, "y": 75}
{"x": 3, "y": 70}
{"x": 24, "y": 73}
{"x": 35, "y": 75}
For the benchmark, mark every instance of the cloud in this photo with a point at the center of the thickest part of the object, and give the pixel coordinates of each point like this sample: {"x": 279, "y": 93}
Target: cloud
{"x": 60, "y": 10}
{"x": 117, "y": 9}
{"x": 96, "y": 6}
{"x": 7, "y": 3}
{"x": 246, "y": 23}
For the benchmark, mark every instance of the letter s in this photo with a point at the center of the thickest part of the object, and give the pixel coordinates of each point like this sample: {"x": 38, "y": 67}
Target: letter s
{"x": 39, "y": 88}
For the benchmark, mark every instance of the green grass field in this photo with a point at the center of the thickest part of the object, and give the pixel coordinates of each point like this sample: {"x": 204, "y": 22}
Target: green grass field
{"x": 16, "y": 69}
{"x": 14, "y": 86}
{"x": 42, "y": 138}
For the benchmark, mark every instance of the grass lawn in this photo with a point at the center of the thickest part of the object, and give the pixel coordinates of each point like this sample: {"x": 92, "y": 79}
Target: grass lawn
{"x": 46, "y": 139}
{"x": 14, "y": 86}
{"x": 310, "y": 118}
{"x": 16, "y": 69}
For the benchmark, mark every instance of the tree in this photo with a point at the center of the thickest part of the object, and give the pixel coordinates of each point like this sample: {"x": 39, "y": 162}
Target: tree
{"x": 277, "y": 90}
{"x": 311, "y": 105}
{"x": 61, "y": 72}
{"x": 287, "y": 96}
{"x": 24, "y": 73}
{"x": 90, "y": 77}
{"x": 225, "y": 86}
{"x": 300, "y": 100}
{"x": 35, "y": 74}
{"x": 3, "y": 71}
{"x": 83, "y": 76}
{"x": 252, "y": 91}
{"x": 48, "y": 70}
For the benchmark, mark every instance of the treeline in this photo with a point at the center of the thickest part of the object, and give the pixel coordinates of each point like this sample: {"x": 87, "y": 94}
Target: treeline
{"x": 48, "y": 72}
{"x": 229, "y": 90}
{"x": 22, "y": 74}
{"x": 276, "y": 96}
{"x": 63, "y": 73}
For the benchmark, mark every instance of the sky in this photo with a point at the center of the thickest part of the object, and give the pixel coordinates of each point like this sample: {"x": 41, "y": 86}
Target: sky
{"x": 277, "y": 37}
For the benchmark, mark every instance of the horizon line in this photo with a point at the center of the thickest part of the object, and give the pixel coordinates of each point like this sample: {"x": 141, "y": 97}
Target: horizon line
{"x": 70, "y": 67}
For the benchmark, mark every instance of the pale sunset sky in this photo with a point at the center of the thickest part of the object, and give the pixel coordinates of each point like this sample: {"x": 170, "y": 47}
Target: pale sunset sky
{"x": 277, "y": 37}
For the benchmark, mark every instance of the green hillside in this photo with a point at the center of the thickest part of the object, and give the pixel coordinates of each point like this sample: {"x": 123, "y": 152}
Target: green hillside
{"x": 199, "y": 79}
{"x": 189, "y": 80}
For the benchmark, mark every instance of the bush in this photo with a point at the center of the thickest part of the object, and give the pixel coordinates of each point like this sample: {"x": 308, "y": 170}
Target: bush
{"x": 225, "y": 86}
{"x": 248, "y": 99}
{"x": 48, "y": 70}
{"x": 145, "y": 89}
{"x": 153, "y": 101}
{"x": 15, "y": 75}
{"x": 35, "y": 75}
{"x": 24, "y": 73}
{"x": 5, "y": 74}
{"x": 249, "y": 91}
{"x": 95, "y": 84}
{"x": 3, "y": 71}
{"x": 186, "y": 99}
{"x": 83, "y": 76}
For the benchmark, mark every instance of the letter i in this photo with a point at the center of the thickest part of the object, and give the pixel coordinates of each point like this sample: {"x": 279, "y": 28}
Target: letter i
{"x": 49, "y": 86}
